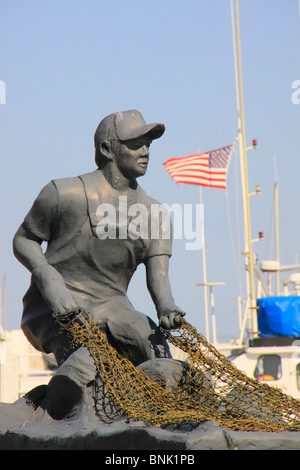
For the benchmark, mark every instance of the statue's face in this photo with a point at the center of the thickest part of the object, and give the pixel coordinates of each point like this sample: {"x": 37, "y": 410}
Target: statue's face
{"x": 132, "y": 157}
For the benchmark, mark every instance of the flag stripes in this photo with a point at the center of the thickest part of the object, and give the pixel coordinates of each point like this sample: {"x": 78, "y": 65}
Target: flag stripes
{"x": 204, "y": 169}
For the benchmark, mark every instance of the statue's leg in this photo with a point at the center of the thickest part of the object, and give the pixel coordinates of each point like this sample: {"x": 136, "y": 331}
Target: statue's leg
{"x": 136, "y": 336}
{"x": 65, "y": 389}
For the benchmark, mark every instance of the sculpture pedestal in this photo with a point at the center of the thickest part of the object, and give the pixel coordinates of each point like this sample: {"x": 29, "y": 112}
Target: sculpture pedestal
{"x": 22, "y": 427}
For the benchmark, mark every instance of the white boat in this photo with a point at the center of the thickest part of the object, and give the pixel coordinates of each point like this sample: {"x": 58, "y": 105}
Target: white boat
{"x": 22, "y": 367}
{"x": 273, "y": 354}
{"x": 275, "y": 364}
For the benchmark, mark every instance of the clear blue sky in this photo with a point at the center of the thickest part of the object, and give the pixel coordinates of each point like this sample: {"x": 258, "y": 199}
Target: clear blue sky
{"x": 67, "y": 64}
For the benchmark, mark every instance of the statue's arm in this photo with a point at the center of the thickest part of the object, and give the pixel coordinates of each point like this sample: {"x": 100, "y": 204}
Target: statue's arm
{"x": 27, "y": 249}
{"x": 158, "y": 284}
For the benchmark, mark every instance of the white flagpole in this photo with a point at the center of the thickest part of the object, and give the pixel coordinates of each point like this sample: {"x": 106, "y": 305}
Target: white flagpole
{"x": 245, "y": 182}
{"x": 204, "y": 273}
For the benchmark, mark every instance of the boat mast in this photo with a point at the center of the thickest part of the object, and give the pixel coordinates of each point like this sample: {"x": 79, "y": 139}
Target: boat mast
{"x": 277, "y": 237}
{"x": 3, "y": 307}
{"x": 245, "y": 188}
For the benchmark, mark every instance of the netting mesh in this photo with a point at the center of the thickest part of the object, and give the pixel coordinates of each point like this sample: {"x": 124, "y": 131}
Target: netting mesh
{"x": 212, "y": 389}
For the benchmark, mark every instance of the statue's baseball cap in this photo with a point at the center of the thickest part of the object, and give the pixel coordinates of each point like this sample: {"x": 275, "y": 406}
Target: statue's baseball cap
{"x": 126, "y": 125}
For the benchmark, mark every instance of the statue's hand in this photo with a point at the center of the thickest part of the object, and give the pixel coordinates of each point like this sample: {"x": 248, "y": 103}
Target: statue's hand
{"x": 170, "y": 317}
{"x": 54, "y": 291}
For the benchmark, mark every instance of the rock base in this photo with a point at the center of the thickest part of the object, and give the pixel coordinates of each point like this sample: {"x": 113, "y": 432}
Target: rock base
{"x": 24, "y": 427}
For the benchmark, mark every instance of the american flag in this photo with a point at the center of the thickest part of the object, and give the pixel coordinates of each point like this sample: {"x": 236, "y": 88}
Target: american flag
{"x": 205, "y": 169}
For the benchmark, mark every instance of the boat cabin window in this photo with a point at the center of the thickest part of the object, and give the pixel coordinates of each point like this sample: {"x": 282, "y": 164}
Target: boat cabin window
{"x": 268, "y": 367}
{"x": 298, "y": 375}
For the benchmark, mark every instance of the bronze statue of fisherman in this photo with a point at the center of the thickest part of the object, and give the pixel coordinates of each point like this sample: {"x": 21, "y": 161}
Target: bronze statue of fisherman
{"x": 84, "y": 268}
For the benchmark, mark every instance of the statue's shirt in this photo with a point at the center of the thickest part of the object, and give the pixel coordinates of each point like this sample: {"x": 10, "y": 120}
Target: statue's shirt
{"x": 69, "y": 214}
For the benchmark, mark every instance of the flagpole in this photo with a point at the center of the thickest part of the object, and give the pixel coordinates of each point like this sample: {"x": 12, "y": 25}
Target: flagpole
{"x": 245, "y": 181}
{"x": 204, "y": 271}
{"x": 239, "y": 139}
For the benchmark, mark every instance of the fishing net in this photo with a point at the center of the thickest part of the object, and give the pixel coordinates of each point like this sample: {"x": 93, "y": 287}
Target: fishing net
{"x": 211, "y": 389}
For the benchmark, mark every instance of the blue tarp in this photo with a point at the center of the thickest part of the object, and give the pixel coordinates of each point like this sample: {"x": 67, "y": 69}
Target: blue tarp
{"x": 278, "y": 316}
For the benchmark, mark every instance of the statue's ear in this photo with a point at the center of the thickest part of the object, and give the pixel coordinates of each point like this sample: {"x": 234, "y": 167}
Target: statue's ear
{"x": 106, "y": 150}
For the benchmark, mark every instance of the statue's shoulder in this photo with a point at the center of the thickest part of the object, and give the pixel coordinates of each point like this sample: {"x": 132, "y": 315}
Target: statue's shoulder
{"x": 71, "y": 190}
{"x": 65, "y": 185}
{"x": 73, "y": 186}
